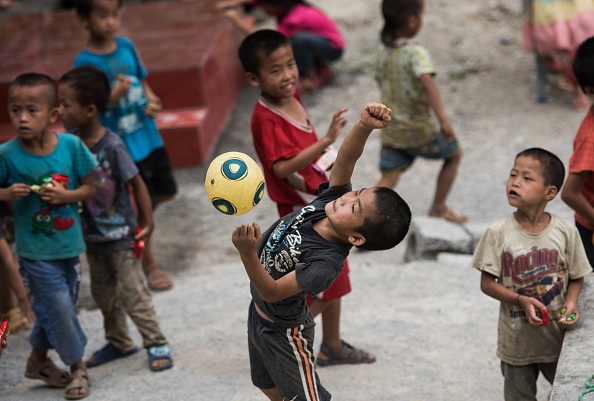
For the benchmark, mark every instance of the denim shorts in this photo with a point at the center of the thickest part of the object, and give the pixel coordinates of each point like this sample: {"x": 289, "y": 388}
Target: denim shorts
{"x": 54, "y": 286}
{"x": 392, "y": 159}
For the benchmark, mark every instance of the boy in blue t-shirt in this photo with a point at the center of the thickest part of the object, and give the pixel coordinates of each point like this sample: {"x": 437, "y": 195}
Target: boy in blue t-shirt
{"x": 46, "y": 175}
{"x": 109, "y": 224}
{"x": 131, "y": 109}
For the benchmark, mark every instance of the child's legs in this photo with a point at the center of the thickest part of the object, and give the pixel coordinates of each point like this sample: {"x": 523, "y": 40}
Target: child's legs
{"x": 282, "y": 359}
{"x": 54, "y": 289}
{"x": 135, "y": 297}
{"x": 156, "y": 173}
{"x": 587, "y": 237}
{"x": 451, "y": 153}
{"x": 392, "y": 163}
{"x": 389, "y": 179}
{"x": 104, "y": 288}
{"x": 328, "y": 304}
{"x": 520, "y": 381}
{"x": 7, "y": 269}
{"x": 445, "y": 180}
{"x": 6, "y": 298}
{"x": 311, "y": 49}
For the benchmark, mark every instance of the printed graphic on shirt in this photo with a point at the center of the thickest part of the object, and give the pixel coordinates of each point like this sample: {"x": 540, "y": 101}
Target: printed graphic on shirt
{"x": 108, "y": 224}
{"x": 537, "y": 273}
{"x": 282, "y": 251}
{"x": 130, "y": 109}
{"x": 49, "y": 218}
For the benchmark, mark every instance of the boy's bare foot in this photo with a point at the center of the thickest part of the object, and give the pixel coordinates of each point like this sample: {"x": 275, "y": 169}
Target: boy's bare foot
{"x": 157, "y": 278}
{"x": 449, "y": 214}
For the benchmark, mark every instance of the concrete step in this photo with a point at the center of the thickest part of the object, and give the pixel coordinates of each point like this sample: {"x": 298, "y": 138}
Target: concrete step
{"x": 429, "y": 236}
{"x": 188, "y": 48}
{"x": 182, "y": 130}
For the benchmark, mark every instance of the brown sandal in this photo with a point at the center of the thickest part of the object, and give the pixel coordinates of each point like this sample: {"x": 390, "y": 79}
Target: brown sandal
{"x": 80, "y": 381}
{"x": 48, "y": 372}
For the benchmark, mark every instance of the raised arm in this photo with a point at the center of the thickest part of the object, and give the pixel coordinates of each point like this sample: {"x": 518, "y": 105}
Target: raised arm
{"x": 285, "y": 167}
{"x": 374, "y": 115}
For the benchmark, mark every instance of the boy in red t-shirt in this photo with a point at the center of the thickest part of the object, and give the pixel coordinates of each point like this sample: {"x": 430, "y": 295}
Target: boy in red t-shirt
{"x": 288, "y": 148}
{"x": 578, "y": 192}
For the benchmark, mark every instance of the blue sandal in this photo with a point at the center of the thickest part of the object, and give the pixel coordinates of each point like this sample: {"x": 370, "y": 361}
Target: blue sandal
{"x": 107, "y": 354}
{"x": 159, "y": 353}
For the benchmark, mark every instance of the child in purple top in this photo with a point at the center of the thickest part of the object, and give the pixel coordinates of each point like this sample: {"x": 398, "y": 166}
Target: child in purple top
{"x": 315, "y": 38}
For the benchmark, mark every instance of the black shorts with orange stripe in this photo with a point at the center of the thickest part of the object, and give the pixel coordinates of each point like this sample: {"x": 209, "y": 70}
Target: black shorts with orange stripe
{"x": 283, "y": 357}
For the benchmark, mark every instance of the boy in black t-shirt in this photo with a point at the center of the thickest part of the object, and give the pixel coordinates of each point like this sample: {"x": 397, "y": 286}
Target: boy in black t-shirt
{"x": 302, "y": 253}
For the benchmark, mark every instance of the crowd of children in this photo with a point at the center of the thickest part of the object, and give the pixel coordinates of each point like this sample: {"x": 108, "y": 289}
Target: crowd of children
{"x": 112, "y": 165}
{"x": 46, "y": 175}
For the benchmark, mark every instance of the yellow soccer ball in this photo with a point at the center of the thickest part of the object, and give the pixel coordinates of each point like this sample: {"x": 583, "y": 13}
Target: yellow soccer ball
{"x": 234, "y": 183}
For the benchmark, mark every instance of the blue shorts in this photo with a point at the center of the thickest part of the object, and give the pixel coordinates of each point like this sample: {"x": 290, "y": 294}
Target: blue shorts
{"x": 392, "y": 159}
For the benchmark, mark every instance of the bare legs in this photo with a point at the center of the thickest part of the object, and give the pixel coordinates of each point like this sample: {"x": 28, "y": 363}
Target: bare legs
{"x": 330, "y": 311}
{"x": 445, "y": 181}
{"x": 157, "y": 278}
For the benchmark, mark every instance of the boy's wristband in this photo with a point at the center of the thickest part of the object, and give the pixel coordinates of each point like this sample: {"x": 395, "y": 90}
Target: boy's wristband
{"x": 518, "y": 300}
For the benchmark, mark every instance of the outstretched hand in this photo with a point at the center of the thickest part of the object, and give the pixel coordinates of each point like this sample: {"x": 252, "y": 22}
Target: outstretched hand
{"x": 337, "y": 124}
{"x": 376, "y": 115}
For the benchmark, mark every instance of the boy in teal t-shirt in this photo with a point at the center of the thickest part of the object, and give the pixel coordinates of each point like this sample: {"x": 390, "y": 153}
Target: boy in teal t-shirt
{"x": 46, "y": 176}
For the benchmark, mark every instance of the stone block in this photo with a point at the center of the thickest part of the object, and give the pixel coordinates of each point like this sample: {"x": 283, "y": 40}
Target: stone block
{"x": 429, "y": 236}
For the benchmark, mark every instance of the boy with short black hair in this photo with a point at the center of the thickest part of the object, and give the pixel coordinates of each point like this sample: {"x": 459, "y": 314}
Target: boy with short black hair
{"x": 47, "y": 175}
{"x": 303, "y": 253}
{"x": 288, "y": 147}
{"x": 532, "y": 262}
{"x": 579, "y": 188}
{"x": 131, "y": 110}
{"x": 110, "y": 226}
